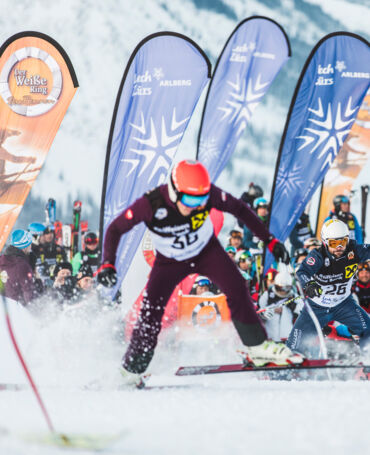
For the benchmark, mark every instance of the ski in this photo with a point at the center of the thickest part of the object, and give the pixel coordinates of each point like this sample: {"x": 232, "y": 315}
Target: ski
{"x": 364, "y": 195}
{"x": 76, "y": 227}
{"x": 58, "y": 232}
{"x": 50, "y": 212}
{"x": 315, "y": 364}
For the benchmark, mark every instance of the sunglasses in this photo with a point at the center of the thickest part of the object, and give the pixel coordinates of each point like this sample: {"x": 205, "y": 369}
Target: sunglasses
{"x": 334, "y": 243}
{"x": 203, "y": 282}
{"x": 193, "y": 201}
{"x": 365, "y": 266}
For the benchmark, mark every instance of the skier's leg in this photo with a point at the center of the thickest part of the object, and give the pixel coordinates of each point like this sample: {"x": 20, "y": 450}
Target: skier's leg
{"x": 163, "y": 279}
{"x": 302, "y": 338}
{"x": 355, "y": 318}
{"x": 215, "y": 263}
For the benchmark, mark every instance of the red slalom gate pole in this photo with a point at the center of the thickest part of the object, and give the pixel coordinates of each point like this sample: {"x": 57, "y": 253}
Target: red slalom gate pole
{"x": 25, "y": 368}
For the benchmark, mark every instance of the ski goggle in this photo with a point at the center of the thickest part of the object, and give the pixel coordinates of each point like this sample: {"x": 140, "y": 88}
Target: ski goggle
{"x": 284, "y": 289}
{"x": 334, "y": 243}
{"x": 193, "y": 201}
{"x": 236, "y": 235}
{"x": 91, "y": 241}
{"x": 203, "y": 282}
{"x": 365, "y": 266}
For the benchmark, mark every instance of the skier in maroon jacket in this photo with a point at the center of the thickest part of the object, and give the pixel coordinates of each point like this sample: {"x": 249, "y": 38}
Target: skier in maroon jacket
{"x": 177, "y": 215}
{"x": 15, "y": 269}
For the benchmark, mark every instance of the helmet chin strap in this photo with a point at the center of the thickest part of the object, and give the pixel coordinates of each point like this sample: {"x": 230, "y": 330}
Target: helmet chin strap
{"x": 171, "y": 191}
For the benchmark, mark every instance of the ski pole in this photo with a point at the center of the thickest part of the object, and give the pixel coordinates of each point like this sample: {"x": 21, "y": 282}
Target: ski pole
{"x": 62, "y": 437}
{"x": 278, "y": 305}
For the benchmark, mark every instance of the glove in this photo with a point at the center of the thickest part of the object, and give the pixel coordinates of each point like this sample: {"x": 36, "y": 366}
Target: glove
{"x": 278, "y": 250}
{"x": 268, "y": 314}
{"x": 312, "y": 289}
{"x": 107, "y": 275}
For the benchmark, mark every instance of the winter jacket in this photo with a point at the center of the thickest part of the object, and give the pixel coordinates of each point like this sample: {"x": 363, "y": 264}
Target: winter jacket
{"x": 17, "y": 276}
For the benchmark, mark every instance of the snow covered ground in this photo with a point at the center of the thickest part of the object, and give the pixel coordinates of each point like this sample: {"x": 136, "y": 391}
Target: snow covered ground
{"x": 219, "y": 414}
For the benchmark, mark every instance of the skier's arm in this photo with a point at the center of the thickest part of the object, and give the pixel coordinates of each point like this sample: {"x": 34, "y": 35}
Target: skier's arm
{"x": 139, "y": 211}
{"x": 312, "y": 264}
{"x": 227, "y": 203}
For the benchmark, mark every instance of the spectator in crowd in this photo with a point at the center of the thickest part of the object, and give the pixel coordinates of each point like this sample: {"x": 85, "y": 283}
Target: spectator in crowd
{"x": 299, "y": 255}
{"x": 301, "y": 232}
{"x": 231, "y": 251}
{"x": 90, "y": 255}
{"x": 48, "y": 254}
{"x": 16, "y": 274}
{"x": 244, "y": 261}
{"x": 279, "y": 320}
{"x": 250, "y": 241}
{"x": 36, "y": 229}
{"x": 85, "y": 285}
{"x": 254, "y": 192}
{"x": 63, "y": 288}
{"x": 236, "y": 238}
{"x": 269, "y": 278}
{"x": 203, "y": 286}
{"x": 361, "y": 287}
{"x": 312, "y": 243}
{"x": 342, "y": 212}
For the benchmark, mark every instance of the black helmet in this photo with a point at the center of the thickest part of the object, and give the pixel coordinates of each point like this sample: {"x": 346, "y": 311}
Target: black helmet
{"x": 340, "y": 199}
{"x": 254, "y": 191}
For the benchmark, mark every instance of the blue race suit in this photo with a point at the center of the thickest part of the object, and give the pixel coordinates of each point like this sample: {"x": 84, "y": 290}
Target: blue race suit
{"x": 335, "y": 276}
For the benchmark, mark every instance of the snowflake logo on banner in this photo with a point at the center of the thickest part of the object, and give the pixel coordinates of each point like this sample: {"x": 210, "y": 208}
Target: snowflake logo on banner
{"x": 243, "y": 101}
{"x": 340, "y": 66}
{"x": 326, "y": 136}
{"x": 208, "y": 150}
{"x": 112, "y": 210}
{"x": 156, "y": 147}
{"x": 289, "y": 180}
{"x": 158, "y": 73}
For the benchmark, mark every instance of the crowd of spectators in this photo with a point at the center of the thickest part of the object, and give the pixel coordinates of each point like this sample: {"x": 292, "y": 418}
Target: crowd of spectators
{"x": 35, "y": 266}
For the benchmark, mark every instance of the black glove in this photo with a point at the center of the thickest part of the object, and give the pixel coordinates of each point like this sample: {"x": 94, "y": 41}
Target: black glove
{"x": 278, "y": 250}
{"x": 107, "y": 275}
{"x": 312, "y": 289}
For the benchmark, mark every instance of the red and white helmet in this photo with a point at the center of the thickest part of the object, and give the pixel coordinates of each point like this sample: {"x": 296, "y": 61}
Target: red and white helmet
{"x": 189, "y": 183}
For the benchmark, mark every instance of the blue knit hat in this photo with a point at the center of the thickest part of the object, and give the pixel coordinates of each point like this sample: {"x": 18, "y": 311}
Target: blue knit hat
{"x": 21, "y": 238}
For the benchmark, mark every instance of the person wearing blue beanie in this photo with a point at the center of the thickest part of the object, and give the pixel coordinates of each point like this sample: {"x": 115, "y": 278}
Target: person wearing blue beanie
{"x": 21, "y": 239}
{"x": 15, "y": 269}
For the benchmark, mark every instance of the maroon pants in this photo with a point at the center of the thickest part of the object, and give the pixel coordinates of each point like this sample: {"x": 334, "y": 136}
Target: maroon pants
{"x": 212, "y": 262}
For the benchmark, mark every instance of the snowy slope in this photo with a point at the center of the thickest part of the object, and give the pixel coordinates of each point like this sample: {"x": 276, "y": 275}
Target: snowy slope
{"x": 99, "y": 38}
{"x": 210, "y": 415}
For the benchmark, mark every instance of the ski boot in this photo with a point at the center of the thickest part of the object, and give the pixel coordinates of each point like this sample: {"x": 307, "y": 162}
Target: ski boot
{"x": 271, "y": 352}
{"x": 131, "y": 380}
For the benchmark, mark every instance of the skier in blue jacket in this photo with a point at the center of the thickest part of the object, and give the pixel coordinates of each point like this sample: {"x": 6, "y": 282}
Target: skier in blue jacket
{"x": 326, "y": 276}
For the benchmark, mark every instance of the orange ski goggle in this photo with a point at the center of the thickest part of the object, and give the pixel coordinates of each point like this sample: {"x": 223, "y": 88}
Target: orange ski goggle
{"x": 334, "y": 243}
